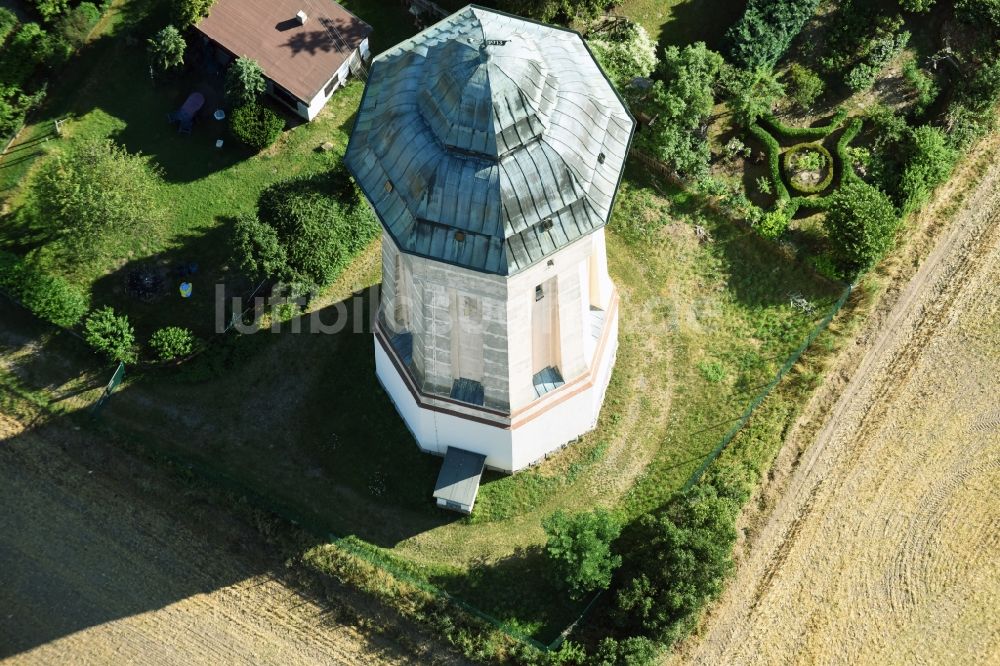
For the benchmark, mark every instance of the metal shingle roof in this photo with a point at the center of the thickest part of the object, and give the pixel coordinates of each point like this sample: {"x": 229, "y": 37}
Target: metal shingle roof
{"x": 489, "y": 141}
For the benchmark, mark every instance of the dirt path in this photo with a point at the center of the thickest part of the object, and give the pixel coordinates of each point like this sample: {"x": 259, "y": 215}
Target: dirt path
{"x": 95, "y": 569}
{"x": 884, "y": 546}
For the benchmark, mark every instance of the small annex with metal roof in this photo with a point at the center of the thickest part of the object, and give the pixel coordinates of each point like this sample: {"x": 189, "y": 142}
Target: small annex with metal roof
{"x": 458, "y": 481}
{"x": 489, "y": 142}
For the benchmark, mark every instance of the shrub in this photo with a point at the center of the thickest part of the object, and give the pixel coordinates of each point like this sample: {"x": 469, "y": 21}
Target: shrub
{"x": 257, "y": 250}
{"x": 172, "y": 342}
{"x": 579, "y": 549}
{"x": 766, "y": 30}
{"x": 929, "y": 162}
{"x": 764, "y": 185}
{"x": 244, "y": 81}
{"x": 256, "y": 126}
{"x": 97, "y": 188}
{"x": 632, "y": 651}
{"x": 804, "y": 85}
{"x": 110, "y": 334}
{"x": 774, "y": 223}
{"x": 75, "y": 26}
{"x": 861, "y": 222}
{"x": 47, "y": 296}
{"x": 812, "y": 157}
{"x": 882, "y": 50}
{"x": 166, "y": 49}
{"x": 625, "y": 51}
{"x": 682, "y": 556}
{"x": 923, "y": 84}
{"x": 29, "y": 48}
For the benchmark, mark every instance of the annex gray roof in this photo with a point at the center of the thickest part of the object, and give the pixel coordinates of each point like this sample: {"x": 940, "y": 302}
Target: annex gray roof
{"x": 489, "y": 141}
{"x": 458, "y": 480}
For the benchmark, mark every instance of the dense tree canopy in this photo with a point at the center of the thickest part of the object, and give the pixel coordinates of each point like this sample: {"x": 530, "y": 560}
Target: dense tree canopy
{"x": 558, "y": 11}
{"x": 625, "y": 51}
{"x": 185, "y": 13}
{"x": 94, "y": 188}
{"x": 305, "y": 230}
{"x": 766, "y": 30}
{"x": 861, "y": 223}
{"x": 683, "y": 557}
{"x": 752, "y": 94}
{"x": 579, "y": 548}
{"x": 678, "y": 106}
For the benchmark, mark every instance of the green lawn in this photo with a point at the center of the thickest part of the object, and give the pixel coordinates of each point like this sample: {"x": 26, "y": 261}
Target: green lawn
{"x": 680, "y": 22}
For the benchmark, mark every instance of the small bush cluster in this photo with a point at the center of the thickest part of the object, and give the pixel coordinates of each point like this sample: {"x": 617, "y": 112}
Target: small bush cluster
{"x": 256, "y": 126}
{"x": 172, "y": 343}
{"x": 804, "y": 86}
{"x": 879, "y": 53}
{"x": 110, "y": 334}
{"x": 47, "y": 296}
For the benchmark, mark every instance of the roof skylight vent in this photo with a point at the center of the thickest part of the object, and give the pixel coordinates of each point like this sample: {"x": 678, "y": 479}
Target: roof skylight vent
{"x": 301, "y": 16}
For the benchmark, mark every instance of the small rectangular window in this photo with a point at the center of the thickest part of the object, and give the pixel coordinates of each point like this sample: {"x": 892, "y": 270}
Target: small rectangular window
{"x": 539, "y": 294}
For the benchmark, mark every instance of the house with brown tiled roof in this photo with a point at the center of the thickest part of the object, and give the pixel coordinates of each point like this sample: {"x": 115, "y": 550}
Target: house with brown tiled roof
{"x": 307, "y": 48}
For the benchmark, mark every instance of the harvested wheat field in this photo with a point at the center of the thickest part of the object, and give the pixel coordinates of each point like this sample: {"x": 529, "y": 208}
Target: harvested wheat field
{"x": 884, "y": 545}
{"x": 118, "y": 567}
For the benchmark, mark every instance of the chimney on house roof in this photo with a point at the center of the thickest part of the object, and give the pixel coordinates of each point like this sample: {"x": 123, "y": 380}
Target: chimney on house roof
{"x": 301, "y": 16}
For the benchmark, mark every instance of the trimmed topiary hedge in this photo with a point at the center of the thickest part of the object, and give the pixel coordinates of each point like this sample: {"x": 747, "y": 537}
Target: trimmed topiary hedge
{"x": 820, "y": 132}
{"x": 773, "y": 151}
{"x": 847, "y": 173}
{"x": 801, "y": 148}
{"x": 256, "y": 126}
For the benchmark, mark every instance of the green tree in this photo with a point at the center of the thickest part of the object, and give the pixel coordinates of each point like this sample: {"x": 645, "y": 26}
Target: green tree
{"x": 751, "y": 93}
{"x": 928, "y": 163}
{"x": 257, "y": 250}
{"x": 172, "y": 342}
{"x": 766, "y": 30}
{"x": 916, "y": 6}
{"x": 805, "y": 86}
{"x": 679, "y": 106}
{"x": 682, "y": 557}
{"x": 579, "y": 548}
{"x": 625, "y": 51}
{"x": 975, "y": 11}
{"x": 50, "y": 10}
{"x": 632, "y": 651}
{"x": 166, "y": 49}
{"x": 245, "y": 81}
{"x": 97, "y": 188}
{"x": 185, "y": 13}
{"x": 110, "y": 334}
{"x": 861, "y": 222}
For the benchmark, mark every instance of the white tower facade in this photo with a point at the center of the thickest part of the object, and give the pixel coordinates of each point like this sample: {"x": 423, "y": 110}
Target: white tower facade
{"x": 491, "y": 149}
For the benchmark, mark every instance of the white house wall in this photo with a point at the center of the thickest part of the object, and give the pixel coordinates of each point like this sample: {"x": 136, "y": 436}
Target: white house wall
{"x": 311, "y": 110}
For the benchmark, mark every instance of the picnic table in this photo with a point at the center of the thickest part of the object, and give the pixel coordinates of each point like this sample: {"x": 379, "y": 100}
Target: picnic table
{"x": 185, "y": 115}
